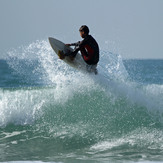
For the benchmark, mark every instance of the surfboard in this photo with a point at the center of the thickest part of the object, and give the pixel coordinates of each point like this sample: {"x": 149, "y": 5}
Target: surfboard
{"x": 76, "y": 62}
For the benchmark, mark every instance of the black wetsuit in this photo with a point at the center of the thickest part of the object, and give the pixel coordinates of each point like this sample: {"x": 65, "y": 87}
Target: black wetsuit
{"x": 89, "y": 50}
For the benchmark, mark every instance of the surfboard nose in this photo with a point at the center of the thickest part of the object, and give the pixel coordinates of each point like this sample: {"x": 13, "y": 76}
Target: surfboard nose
{"x": 50, "y": 38}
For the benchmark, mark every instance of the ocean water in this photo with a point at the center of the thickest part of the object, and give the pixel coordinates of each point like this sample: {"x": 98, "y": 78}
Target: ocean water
{"x": 50, "y": 112}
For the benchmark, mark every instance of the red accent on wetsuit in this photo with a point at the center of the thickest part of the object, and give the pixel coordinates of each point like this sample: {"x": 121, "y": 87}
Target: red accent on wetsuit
{"x": 87, "y": 53}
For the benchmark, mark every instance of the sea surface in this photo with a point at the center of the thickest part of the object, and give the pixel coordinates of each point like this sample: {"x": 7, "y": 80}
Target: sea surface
{"x": 50, "y": 112}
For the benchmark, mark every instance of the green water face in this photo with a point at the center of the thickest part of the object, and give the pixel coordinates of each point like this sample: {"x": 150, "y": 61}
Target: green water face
{"x": 91, "y": 127}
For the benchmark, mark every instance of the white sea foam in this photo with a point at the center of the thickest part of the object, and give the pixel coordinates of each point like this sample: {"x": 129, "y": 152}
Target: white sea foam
{"x": 23, "y": 106}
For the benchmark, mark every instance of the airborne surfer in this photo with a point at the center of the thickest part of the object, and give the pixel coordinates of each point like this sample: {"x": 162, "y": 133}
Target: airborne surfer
{"x": 88, "y": 47}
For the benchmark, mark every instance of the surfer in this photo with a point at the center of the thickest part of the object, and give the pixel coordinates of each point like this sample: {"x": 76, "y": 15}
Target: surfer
{"x": 89, "y": 49}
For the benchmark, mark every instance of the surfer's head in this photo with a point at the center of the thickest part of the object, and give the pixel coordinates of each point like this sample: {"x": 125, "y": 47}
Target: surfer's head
{"x": 84, "y": 31}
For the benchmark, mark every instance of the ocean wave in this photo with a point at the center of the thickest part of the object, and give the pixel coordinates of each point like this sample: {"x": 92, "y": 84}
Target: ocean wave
{"x": 100, "y": 114}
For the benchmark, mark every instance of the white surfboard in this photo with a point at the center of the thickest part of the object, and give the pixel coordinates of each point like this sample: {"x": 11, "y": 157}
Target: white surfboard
{"x": 77, "y": 62}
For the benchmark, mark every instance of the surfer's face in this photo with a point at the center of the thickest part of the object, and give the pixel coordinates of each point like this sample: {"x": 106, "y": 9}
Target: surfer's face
{"x": 82, "y": 34}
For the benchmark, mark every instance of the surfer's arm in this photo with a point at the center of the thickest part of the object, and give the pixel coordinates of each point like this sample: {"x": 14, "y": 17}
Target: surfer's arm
{"x": 78, "y": 45}
{"x": 74, "y": 44}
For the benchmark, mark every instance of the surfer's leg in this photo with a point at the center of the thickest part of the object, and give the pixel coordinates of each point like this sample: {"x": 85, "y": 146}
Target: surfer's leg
{"x": 95, "y": 70}
{"x": 92, "y": 68}
{"x": 72, "y": 54}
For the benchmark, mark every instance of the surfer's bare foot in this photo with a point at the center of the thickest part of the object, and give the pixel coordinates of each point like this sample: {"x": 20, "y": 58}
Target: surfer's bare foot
{"x": 61, "y": 55}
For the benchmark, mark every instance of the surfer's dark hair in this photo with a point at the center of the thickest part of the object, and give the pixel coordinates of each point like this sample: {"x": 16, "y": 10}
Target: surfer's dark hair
{"x": 85, "y": 29}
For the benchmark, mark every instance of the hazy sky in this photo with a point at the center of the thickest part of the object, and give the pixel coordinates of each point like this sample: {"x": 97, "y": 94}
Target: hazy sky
{"x": 132, "y": 28}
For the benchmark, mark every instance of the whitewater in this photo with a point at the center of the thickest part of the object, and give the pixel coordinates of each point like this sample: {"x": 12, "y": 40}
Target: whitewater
{"x": 50, "y": 112}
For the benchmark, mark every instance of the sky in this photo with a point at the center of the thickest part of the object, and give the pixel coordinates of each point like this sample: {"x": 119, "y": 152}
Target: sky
{"x": 131, "y": 28}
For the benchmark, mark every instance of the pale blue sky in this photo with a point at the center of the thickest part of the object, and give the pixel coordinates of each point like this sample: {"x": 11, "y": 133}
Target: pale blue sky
{"x": 133, "y": 28}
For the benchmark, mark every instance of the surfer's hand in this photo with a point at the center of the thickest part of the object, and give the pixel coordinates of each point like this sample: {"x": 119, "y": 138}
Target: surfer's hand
{"x": 68, "y": 44}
